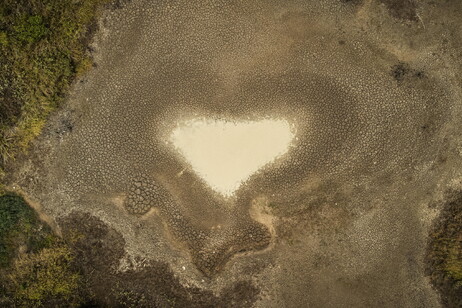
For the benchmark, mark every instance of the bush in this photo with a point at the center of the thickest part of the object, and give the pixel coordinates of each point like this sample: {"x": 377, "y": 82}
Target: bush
{"x": 45, "y": 279}
{"x": 42, "y": 50}
{"x": 444, "y": 255}
{"x": 30, "y": 29}
{"x": 36, "y": 266}
{"x": 15, "y": 216}
{"x": 20, "y": 226}
{"x": 3, "y": 38}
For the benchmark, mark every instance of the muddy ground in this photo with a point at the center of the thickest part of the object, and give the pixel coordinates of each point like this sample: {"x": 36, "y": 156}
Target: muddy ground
{"x": 373, "y": 89}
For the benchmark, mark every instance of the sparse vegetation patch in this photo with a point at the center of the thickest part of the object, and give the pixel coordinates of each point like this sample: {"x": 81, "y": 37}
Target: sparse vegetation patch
{"x": 445, "y": 253}
{"x": 36, "y": 266}
{"x": 42, "y": 49}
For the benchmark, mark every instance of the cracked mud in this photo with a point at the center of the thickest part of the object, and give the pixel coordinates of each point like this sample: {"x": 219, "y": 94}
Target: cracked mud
{"x": 342, "y": 220}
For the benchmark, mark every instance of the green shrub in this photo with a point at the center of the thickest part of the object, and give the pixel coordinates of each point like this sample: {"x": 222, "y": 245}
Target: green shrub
{"x": 45, "y": 277}
{"x": 3, "y": 38}
{"x": 13, "y": 213}
{"x": 444, "y": 255}
{"x": 36, "y": 266}
{"x": 42, "y": 50}
{"x": 31, "y": 29}
{"x": 20, "y": 226}
{"x": 453, "y": 262}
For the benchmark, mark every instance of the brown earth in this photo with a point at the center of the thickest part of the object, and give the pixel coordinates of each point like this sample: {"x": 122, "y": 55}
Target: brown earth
{"x": 373, "y": 88}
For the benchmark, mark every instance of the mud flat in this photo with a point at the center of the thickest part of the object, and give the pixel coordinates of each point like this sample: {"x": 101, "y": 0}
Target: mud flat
{"x": 340, "y": 219}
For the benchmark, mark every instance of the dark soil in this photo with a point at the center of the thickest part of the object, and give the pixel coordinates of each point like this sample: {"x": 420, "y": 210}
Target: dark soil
{"x": 403, "y": 71}
{"x": 10, "y": 108}
{"x": 355, "y": 2}
{"x": 98, "y": 250}
{"x": 402, "y": 9}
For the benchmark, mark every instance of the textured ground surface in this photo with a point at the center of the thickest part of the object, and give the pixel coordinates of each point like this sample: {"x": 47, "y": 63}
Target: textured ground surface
{"x": 373, "y": 88}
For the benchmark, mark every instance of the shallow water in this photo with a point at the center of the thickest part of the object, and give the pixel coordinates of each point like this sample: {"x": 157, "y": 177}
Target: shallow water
{"x": 224, "y": 154}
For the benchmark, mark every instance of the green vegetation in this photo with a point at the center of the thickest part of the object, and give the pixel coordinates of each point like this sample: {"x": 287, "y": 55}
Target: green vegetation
{"x": 448, "y": 251}
{"x": 20, "y": 227}
{"x": 45, "y": 278}
{"x": 36, "y": 266}
{"x": 453, "y": 264}
{"x": 42, "y": 49}
{"x": 445, "y": 253}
